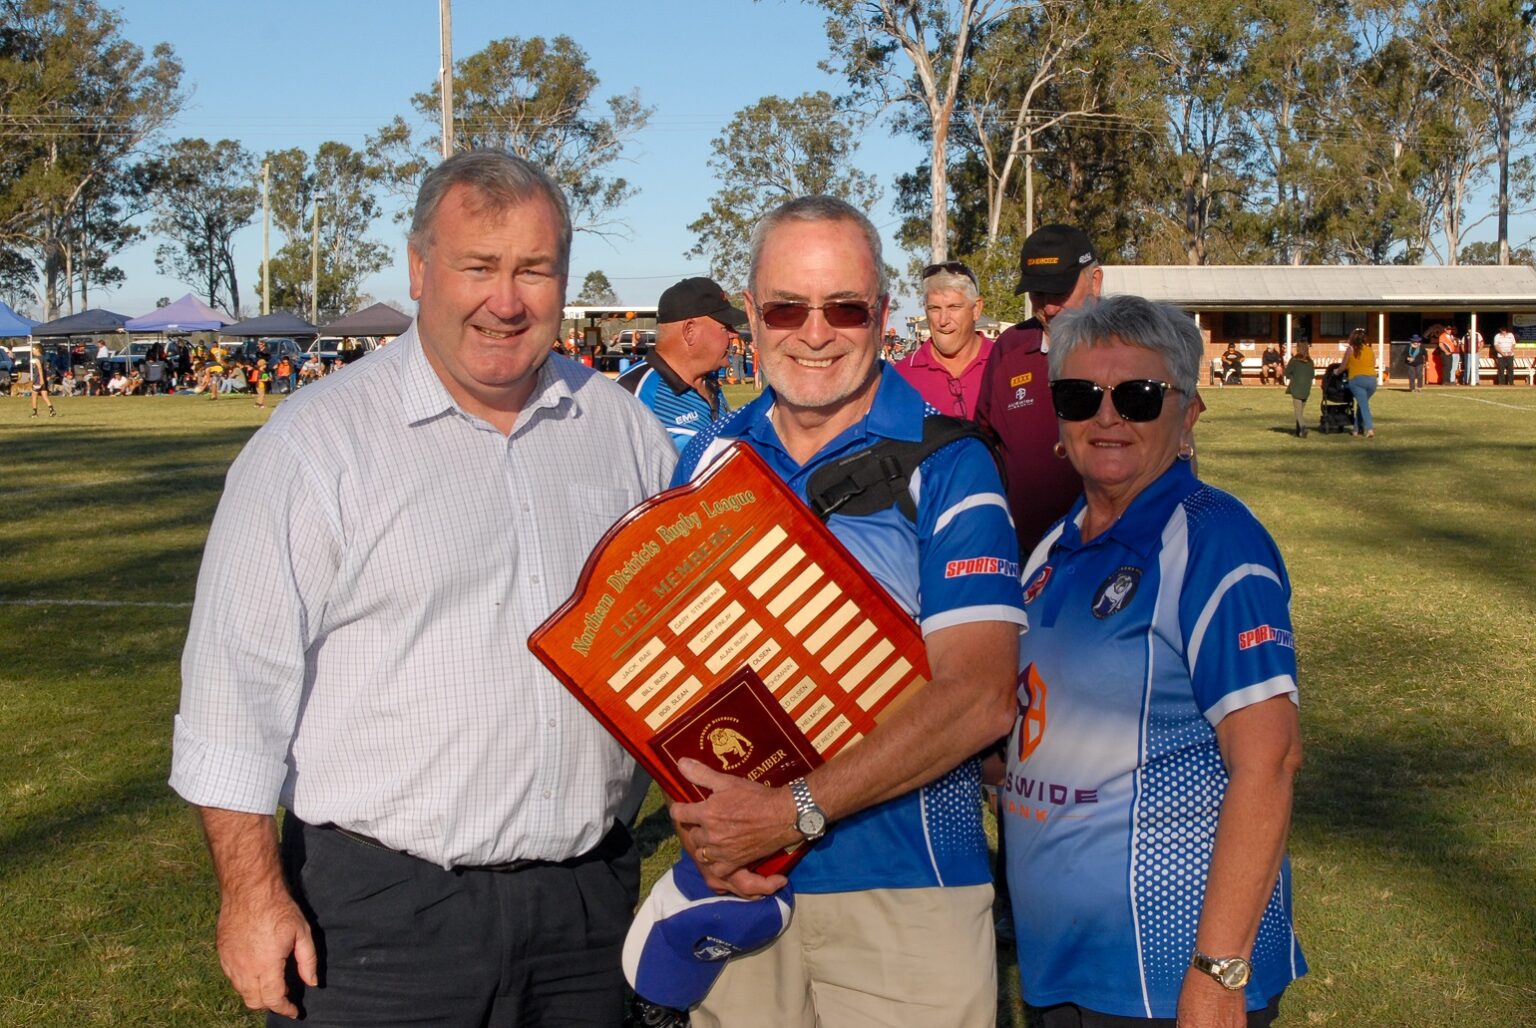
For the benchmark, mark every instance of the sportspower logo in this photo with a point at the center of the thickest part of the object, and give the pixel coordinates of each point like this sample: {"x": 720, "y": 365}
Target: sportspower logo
{"x": 1265, "y": 634}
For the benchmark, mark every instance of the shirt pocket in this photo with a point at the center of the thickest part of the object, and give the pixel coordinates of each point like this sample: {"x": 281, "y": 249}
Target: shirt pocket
{"x": 595, "y": 509}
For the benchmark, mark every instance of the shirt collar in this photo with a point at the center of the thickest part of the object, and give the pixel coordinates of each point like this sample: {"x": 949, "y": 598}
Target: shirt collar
{"x": 923, "y": 357}
{"x": 891, "y": 416}
{"x": 423, "y": 396}
{"x": 681, "y": 386}
{"x": 1140, "y": 528}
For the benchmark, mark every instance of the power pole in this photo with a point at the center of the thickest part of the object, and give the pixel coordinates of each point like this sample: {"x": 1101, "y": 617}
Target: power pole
{"x": 266, "y": 242}
{"x": 445, "y": 72}
{"x": 314, "y": 265}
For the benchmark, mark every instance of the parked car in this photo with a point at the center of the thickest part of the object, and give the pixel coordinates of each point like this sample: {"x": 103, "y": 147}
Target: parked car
{"x": 130, "y": 356}
{"x": 330, "y": 349}
{"x": 276, "y": 347}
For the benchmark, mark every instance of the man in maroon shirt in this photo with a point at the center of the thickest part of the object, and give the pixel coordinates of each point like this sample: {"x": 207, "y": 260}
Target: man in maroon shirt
{"x": 947, "y": 368}
{"x": 1059, "y": 269}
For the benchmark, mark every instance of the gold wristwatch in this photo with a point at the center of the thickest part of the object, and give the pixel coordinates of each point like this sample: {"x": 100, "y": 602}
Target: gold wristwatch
{"x": 1231, "y": 973}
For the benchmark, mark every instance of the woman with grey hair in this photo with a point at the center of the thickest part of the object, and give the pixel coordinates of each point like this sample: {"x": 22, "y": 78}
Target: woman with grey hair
{"x": 1148, "y": 792}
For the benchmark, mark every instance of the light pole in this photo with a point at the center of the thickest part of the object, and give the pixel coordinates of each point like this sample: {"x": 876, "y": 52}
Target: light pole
{"x": 445, "y": 73}
{"x": 314, "y": 265}
{"x": 266, "y": 244}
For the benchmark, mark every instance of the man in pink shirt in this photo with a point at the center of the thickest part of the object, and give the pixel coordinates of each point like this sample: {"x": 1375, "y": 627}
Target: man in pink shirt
{"x": 947, "y": 368}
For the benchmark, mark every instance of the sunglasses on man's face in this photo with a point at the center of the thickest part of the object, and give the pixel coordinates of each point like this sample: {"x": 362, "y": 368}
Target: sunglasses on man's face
{"x": 839, "y": 313}
{"x": 1137, "y": 399}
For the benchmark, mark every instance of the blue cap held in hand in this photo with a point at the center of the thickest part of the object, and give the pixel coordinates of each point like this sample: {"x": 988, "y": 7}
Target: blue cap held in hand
{"x": 684, "y": 933}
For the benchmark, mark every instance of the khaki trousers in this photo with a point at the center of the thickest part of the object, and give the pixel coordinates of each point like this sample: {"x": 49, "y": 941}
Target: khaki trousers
{"x": 893, "y": 958}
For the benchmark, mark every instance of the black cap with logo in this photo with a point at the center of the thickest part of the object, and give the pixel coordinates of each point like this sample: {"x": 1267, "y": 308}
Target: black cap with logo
{"x": 1052, "y": 258}
{"x": 698, "y": 298}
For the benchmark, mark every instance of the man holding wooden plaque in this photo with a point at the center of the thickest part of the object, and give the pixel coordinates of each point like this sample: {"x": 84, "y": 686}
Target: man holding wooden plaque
{"x": 892, "y": 923}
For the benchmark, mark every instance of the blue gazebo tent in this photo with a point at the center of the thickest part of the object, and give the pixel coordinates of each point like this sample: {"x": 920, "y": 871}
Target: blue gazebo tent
{"x": 13, "y": 325}
{"x": 94, "y": 322}
{"x": 189, "y": 314}
{"x": 278, "y": 323}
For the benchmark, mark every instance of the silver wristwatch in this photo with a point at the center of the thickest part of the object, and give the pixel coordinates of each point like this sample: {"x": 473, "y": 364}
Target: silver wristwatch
{"x": 1231, "y": 973}
{"x": 810, "y": 820}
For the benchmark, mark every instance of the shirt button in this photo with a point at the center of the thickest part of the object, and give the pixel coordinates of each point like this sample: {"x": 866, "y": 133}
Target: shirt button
{"x": 534, "y": 579}
{"x": 527, "y": 507}
{"x": 547, "y": 794}
{"x": 551, "y": 722}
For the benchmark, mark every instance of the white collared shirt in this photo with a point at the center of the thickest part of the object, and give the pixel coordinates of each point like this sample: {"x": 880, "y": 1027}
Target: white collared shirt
{"x": 358, "y": 647}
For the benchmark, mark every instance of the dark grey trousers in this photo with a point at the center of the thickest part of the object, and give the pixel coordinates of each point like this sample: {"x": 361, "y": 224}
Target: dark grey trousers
{"x": 403, "y": 942}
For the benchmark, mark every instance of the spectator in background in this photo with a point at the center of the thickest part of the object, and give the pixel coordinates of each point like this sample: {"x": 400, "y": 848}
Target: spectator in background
{"x": 1504, "y": 356}
{"x": 1414, "y": 358}
{"x": 678, "y": 379}
{"x": 947, "y": 369}
{"x": 1271, "y": 365}
{"x": 1449, "y": 348}
{"x": 117, "y": 384}
{"x": 1472, "y": 349}
{"x": 1298, "y": 382}
{"x": 1360, "y": 373}
{"x": 262, "y": 379}
{"x": 1231, "y": 365}
{"x": 67, "y": 383}
{"x": 286, "y": 380}
{"x": 1059, "y": 269}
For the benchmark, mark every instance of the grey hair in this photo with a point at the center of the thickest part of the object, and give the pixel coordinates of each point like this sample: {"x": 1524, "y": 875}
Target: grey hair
{"x": 951, "y": 281}
{"x": 500, "y": 181}
{"x": 1133, "y": 321}
{"x": 817, "y": 208}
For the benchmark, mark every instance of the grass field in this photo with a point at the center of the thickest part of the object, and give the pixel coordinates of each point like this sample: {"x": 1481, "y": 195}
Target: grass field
{"x": 1415, "y": 606}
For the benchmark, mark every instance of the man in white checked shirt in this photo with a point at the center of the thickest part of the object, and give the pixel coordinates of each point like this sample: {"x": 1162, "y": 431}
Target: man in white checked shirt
{"x": 453, "y": 851}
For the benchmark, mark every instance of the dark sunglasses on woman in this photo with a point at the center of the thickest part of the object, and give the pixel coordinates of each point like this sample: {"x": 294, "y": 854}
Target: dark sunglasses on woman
{"x": 1137, "y": 399}
{"x": 792, "y": 314}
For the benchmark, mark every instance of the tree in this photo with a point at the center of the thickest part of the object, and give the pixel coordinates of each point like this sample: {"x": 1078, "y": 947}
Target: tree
{"x": 1200, "y": 47}
{"x": 769, "y": 152}
{"x": 204, "y": 194}
{"x": 1000, "y": 103}
{"x": 535, "y": 98}
{"x": 1488, "y": 253}
{"x": 597, "y": 291}
{"x": 342, "y": 182}
{"x": 936, "y": 38}
{"x": 79, "y": 101}
{"x": 1489, "y": 49}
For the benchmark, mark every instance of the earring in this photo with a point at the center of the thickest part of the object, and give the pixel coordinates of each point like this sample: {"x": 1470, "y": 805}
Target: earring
{"x": 1186, "y": 451}
{"x": 1060, "y": 451}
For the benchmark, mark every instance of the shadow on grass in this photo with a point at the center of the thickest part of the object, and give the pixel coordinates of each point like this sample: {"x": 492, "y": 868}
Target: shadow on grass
{"x": 38, "y": 839}
{"x": 1425, "y": 802}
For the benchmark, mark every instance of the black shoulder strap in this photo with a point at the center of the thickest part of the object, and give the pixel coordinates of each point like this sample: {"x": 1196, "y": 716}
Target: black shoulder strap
{"x": 876, "y": 478}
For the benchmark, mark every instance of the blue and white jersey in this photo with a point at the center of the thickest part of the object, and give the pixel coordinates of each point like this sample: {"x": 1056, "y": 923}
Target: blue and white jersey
{"x": 1139, "y": 643}
{"x": 956, "y": 565}
{"x": 676, "y": 404}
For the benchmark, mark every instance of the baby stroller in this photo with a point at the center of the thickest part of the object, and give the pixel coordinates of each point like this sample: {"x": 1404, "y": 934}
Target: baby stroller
{"x": 1338, "y": 402}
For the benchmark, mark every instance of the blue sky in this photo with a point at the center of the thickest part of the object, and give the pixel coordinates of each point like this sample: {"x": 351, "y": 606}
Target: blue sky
{"x": 286, "y": 73}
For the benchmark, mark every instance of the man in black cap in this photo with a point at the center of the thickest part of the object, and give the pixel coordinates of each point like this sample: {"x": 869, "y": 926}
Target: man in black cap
{"x": 677, "y": 380}
{"x": 1059, "y": 269}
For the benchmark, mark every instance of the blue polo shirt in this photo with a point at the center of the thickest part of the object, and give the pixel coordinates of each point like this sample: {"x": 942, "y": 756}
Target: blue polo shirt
{"x": 1139, "y": 643}
{"x": 674, "y": 401}
{"x": 931, "y": 836}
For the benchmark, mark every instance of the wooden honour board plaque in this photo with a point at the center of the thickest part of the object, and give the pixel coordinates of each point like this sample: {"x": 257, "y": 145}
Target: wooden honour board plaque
{"x": 722, "y": 620}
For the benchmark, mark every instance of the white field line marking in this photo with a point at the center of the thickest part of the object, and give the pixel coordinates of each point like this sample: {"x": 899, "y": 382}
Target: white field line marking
{"x": 1491, "y": 403}
{"x": 92, "y": 603}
